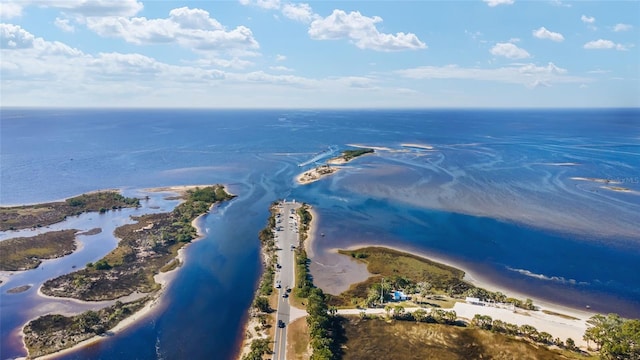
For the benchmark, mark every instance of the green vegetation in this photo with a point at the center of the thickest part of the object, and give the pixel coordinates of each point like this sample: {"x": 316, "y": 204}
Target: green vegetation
{"x": 615, "y": 337}
{"x": 529, "y": 332}
{"x": 259, "y": 347}
{"x": 347, "y": 155}
{"x": 28, "y": 252}
{"x": 23, "y": 217}
{"x": 267, "y": 241}
{"x": 145, "y": 247}
{"x": 400, "y": 271}
{"x": 366, "y": 338}
{"x": 413, "y": 274}
{"x": 51, "y": 333}
{"x": 171, "y": 265}
{"x": 321, "y": 326}
{"x": 262, "y": 345}
{"x": 304, "y": 284}
{"x": 261, "y": 303}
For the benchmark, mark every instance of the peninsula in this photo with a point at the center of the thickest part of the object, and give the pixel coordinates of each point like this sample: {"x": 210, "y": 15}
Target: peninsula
{"x": 326, "y": 169}
{"x": 421, "y": 308}
{"x": 146, "y": 248}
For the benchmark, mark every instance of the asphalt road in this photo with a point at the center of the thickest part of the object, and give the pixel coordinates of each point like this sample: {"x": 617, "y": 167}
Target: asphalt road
{"x": 286, "y": 237}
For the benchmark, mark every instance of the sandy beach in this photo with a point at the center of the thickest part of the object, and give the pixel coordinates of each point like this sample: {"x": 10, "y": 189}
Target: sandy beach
{"x": 558, "y": 326}
{"x": 311, "y": 233}
{"x": 316, "y": 174}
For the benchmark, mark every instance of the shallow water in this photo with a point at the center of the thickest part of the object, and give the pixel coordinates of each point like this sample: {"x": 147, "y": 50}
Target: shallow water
{"x": 495, "y": 195}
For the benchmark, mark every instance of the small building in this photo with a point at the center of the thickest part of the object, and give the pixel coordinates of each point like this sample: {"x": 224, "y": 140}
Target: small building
{"x": 399, "y": 296}
{"x": 473, "y": 301}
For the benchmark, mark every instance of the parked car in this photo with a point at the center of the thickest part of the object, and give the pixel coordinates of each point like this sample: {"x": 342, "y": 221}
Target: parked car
{"x": 280, "y": 323}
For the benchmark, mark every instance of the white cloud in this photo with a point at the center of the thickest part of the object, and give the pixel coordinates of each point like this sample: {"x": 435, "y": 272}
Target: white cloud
{"x": 362, "y": 31}
{"x": 88, "y": 8}
{"x": 280, "y": 57}
{"x": 604, "y": 44}
{"x": 543, "y": 33}
{"x": 265, "y": 4}
{"x": 509, "y": 51}
{"x": 280, "y": 68}
{"x": 10, "y": 10}
{"x": 494, "y": 3}
{"x": 559, "y": 3}
{"x": 622, "y": 27}
{"x": 15, "y": 37}
{"x": 587, "y": 19}
{"x": 190, "y": 28}
{"x": 529, "y": 75}
{"x": 299, "y": 12}
{"x": 233, "y": 63}
{"x": 64, "y": 25}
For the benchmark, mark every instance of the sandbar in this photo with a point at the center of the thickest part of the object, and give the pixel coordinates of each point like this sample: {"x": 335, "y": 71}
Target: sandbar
{"x": 377, "y": 148}
{"x": 417, "y": 146}
{"x": 598, "y": 180}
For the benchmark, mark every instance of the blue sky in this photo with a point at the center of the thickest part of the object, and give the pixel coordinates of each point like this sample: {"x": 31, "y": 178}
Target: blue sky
{"x": 320, "y": 54}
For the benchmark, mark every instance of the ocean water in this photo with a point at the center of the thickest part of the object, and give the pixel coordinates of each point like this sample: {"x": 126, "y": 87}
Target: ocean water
{"x": 497, "y": 192}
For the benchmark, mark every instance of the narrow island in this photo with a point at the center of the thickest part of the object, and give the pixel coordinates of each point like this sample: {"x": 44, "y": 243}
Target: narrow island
{"x": 326, "y": 169}
{"x": 259, "y": 328}
{"x": 24, "y": 253}
{"x": 39, "y": 215}
{"x": 145, "y": 249}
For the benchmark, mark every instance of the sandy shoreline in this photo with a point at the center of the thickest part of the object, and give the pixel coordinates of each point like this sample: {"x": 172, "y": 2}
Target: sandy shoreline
{"x": 161, "y": 278}
{"x": 316, "y": 174}
{"x": 553, "y": 324}
{"x": 476, "y": 279}
{"x": 311, "y": 233}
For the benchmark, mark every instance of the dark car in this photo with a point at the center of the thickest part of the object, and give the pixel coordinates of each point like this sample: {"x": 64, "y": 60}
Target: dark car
{"x": 280, "y": 323}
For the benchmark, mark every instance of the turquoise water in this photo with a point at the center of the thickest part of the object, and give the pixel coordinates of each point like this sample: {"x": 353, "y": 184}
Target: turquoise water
{"x": 495, "y": 194}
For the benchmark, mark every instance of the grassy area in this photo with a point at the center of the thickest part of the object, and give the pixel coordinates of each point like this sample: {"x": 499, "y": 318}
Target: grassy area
{"x": 145, "y": 247}
{"x": 399, "y": 270}
{"x": 25, "y": 253}
{"x": 376, "y": 338}
{"x": 347, "y": 155}
{"x": 298, "y": 340}
{"x": 51, "y": 333}
{"x": 27, "y": 216}
{"x": 171, "y": 265}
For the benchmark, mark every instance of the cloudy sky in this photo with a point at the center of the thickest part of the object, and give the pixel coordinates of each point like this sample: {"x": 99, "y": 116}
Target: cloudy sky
{"x": 320, "y": 54}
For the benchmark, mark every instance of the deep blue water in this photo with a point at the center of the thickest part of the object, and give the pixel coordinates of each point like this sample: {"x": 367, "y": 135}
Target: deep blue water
{"x": 495, "y": 194}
